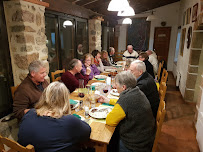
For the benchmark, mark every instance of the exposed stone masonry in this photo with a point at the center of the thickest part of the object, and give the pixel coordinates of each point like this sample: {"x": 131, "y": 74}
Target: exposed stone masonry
{"x": 95, "y": 31}
{"x": 26, "y": 33}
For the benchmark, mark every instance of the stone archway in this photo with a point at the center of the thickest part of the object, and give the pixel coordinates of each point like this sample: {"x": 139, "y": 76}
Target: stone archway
{"x": 194, "y": 59}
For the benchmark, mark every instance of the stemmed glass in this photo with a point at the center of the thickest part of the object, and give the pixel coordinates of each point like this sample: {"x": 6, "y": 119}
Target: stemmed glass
{"x": 81, "y": 88}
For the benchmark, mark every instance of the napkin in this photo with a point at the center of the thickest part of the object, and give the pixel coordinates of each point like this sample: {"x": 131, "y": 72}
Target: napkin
{"x": 77, "y": 116}
{"x": 73, "y": 102}
{"x": 107, "y": 104}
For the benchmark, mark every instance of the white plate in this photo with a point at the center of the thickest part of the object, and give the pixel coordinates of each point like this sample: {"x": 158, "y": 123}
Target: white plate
{"x": 100, "y": 76}
{"x": 100, "y": 112}
{"x": 120, "y": 62}
{"x": 114, "y": 92}
{"x": 76, "y": 105}
{"x": 110, "y": 70}
{"x": 96, "y": 84}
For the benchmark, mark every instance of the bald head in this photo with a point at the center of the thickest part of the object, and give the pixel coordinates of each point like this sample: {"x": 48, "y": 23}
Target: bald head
{"x": 130, "y": 48}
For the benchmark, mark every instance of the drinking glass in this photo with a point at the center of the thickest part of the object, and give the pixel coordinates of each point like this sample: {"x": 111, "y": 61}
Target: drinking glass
{"x": 81, "y": 90}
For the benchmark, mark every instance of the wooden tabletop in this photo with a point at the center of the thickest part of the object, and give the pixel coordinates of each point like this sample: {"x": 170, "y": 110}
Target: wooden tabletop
{"x": 100, "y": 133}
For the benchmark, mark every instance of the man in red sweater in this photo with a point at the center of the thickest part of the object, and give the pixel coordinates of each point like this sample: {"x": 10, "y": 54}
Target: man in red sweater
{"x": 71, "y": 77}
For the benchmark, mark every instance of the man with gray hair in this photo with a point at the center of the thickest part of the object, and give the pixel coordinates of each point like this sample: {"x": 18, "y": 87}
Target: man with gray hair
{"x": 133, "y": 114}
{"x": 146, "y": 84}
{"x": 30, "y": 90}
{"x": 130, "y": 54}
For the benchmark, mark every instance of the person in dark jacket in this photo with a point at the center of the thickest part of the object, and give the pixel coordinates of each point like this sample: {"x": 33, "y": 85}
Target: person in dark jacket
{"x": 50, "y": 127}
{"x": 149, "y": 67}
{"x": 30, "y": 90}
{"x": 146, "y": 84}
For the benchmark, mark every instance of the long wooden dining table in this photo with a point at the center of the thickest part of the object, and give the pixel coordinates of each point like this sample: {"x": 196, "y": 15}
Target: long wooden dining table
{"x": 100, "y": 132}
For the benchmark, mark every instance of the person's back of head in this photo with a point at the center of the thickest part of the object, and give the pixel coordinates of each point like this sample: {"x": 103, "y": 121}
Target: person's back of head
{"x": 54, "y": 101}
{"x": 72, "y": 64}
{"x": 126, "y": 78}
{"x": 143, "y": 55}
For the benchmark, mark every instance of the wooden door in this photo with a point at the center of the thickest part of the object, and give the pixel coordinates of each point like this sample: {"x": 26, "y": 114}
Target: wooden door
{"x": 161, "y": 42}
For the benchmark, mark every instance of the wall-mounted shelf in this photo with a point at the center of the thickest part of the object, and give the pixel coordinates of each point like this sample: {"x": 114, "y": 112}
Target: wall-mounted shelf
{"x": 38, "y": 2}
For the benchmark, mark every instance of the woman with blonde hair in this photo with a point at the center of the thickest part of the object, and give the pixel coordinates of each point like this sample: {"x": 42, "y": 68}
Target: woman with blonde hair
{"x": 105, "y": 58}
{"x": 50, "y": 127}
{"x": 88, "y": 61}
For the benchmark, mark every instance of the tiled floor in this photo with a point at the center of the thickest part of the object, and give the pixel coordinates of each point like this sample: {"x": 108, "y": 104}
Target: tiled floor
{"x": 178, "y": 132}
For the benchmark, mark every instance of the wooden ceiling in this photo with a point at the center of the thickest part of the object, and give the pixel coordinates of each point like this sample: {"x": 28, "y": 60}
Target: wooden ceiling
{"x": 100, "y": 6}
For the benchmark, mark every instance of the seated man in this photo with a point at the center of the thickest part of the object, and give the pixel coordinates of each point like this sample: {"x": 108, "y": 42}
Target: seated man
{"x": 146, "y": 84}
{"x": 30, "y": 90}
{"x": 71, "y": 77}
{"x": 144, "y": 57}
{"x": 153, "y": 60}
{"x": 133, "y": 114}
{"x": 130, "y": 53}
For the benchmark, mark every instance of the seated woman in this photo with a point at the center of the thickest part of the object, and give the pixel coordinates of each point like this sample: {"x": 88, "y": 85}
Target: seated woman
{"x": 111, "y": 53}
{"x": 88, "y": 62}
{"x": 97, "y": 60}
{"x": 105, "y": 58}
{"x": 132, "y": 113}
{"x": 149, "y": 67}
{"x": 50, "y": 127}
{"x": 71, "y": 77}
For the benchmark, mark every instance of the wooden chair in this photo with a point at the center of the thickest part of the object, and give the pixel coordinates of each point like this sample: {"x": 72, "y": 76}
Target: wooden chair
{"x": 159, "y": 70}
{"x": 164, "y": 76}
{"x": 159, "y": 121}
{"x": 118, "y": 56}
{"x": 14, "y": 146}
{"x": 13, "y": 90}
{"x": 56, "y": 73}
{"x": 162, "y": 90}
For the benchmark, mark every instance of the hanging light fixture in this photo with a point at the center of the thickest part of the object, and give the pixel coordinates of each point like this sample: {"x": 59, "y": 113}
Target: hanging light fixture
{"x": 117, "y": 5}
{"x": 128, "y": 11}
{"x": 151, "y": 17}
{"x": 127, "y": 21}
{"x": 67, "y": 23}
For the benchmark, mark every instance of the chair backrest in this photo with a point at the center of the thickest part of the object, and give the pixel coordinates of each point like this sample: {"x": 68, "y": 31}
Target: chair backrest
{"x": 118, "y": 56}
{"x": 56, "y": 73}
{"x": 159, "y": 121}
{"x": 13, "y": 90}
{"x": 14, "y": 146}
{"x": 159, "y": 70}
{"x": 164, "y": 76}
{"x": 162, "y": 90}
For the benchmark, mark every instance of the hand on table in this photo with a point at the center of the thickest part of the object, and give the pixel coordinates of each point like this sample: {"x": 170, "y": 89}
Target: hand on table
{"x": 103, "y": 99}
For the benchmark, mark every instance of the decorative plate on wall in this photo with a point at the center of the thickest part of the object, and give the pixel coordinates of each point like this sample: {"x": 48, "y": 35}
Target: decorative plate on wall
{"x": 189, "y": 37}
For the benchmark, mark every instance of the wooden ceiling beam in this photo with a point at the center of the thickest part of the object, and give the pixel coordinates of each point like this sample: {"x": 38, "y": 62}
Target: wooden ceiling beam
{"x": 89, "y": 2}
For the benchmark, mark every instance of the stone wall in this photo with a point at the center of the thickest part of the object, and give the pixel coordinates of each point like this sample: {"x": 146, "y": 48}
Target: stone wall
{"x": 26, "y": 35}
{"x": 95, "y": 31}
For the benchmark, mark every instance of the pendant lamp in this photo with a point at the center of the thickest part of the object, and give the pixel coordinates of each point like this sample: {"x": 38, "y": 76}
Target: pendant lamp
{"x": 127, "y": 21}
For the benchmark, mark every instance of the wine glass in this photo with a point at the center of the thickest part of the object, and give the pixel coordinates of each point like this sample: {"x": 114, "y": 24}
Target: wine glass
{"x": 81, "y": 88}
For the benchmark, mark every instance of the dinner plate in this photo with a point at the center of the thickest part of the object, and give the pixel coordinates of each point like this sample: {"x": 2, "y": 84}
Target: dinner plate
{"x": 96, "y": 84}
{"x": 114, "y": 92}
{"x": 74, "y": 106}
{"x": 110, "y": 70}
{"x": 100, "y": 76}
{"x": 120, "y": 62}
{"x": 100, "y": 112}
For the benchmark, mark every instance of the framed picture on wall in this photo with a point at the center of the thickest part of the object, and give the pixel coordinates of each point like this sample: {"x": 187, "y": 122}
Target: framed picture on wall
{"x": 188, "y": 14}
{"x": 182, "y": 41}
{"x": 194, "y": 12}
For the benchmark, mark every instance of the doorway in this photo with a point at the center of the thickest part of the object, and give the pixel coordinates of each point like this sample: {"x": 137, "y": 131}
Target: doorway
{"x": 161, "y": 42}
{"x": 6, "y": 79}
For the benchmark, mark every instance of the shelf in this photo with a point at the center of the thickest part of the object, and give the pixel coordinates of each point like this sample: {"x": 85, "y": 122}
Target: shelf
{"x": 38, "y": 2}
